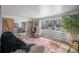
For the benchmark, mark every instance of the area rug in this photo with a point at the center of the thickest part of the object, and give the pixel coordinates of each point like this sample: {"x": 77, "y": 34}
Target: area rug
{"x": 50, "y": 47}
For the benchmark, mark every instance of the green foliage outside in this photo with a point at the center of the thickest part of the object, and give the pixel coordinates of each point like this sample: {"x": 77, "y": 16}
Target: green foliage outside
{"x": 70, "y": 23}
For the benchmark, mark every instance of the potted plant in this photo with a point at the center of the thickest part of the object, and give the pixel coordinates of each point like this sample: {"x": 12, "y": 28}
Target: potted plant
{"x": 70, "y": 23}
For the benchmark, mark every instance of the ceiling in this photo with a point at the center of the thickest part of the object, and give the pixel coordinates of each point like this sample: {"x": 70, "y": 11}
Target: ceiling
{"x": 36, "y": 11}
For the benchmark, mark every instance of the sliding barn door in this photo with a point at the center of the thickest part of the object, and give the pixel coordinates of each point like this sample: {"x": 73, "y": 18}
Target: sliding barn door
{"x": 7, "y": 24}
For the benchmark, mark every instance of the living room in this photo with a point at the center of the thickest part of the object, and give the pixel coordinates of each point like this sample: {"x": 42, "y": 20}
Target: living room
{"x": 43, "y": 25}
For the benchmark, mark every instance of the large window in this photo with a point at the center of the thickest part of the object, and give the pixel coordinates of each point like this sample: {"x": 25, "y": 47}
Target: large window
{"x": 57, "y": 24}
{"x": 51, "y": 24}
{"x": 47, "y": 24}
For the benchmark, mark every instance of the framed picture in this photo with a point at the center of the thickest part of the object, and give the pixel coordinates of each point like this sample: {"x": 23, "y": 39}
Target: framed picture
{"x": 15, "y": 25}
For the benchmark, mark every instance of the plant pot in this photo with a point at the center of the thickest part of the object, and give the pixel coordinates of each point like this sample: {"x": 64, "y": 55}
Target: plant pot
{"x": 74, "y": 44}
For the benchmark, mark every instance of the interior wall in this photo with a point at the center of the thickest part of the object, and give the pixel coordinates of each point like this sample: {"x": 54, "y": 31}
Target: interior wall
{"x": 52, "y": 34}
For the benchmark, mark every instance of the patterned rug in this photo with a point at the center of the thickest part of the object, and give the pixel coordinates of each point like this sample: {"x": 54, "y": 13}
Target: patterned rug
{"x": 50, "y": 46}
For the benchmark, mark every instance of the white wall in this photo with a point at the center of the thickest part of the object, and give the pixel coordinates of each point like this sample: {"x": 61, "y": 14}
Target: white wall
{"x": 20, "y": 19}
